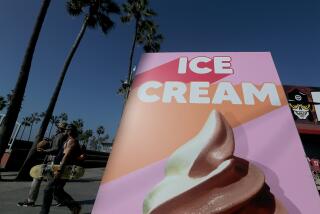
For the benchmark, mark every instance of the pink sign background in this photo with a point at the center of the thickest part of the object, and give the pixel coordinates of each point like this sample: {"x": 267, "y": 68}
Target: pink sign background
{"x": 270, "y": 141}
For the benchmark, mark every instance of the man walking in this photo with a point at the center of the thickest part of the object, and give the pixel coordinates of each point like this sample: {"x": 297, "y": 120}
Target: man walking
{"x": 69, "y": 155}
{"x": 55, "y": 146}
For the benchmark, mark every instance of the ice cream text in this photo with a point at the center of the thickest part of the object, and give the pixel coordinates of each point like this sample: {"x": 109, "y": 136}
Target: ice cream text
{"x": 198, "y": 92}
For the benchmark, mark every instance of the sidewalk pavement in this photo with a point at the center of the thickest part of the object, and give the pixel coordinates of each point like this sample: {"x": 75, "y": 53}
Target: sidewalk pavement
{"x": 83, "y": 190}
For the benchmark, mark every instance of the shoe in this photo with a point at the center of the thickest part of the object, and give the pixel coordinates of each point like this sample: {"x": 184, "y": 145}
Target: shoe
{"x": 76, "y": 210}
{"x": 26, "y": 204}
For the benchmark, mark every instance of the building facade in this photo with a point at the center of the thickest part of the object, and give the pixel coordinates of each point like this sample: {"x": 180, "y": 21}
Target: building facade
{"x": 304, "y": 103}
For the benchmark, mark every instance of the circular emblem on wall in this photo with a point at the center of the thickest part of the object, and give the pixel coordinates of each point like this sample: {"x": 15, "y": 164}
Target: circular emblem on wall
{"x": 298, "y": 97}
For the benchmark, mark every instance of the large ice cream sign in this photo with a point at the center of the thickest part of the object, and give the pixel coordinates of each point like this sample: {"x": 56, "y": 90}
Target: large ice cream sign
{"x": 207, "y": 133}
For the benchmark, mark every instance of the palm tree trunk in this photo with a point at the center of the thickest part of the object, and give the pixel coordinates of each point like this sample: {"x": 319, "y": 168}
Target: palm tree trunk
{"x": 24, "y": 171}
{"x": 6, "y": 128}
{"x": 50, "y": 130}
{"x": 30, "y": 132}
{"x": 131, "y": 60}
{"x": 24, "y": 127}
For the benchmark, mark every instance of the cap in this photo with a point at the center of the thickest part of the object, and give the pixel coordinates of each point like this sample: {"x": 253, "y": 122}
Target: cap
{"x": 71, "y": 127}
{"x": 297, "y": 96}
{"x": 62, "y": 125}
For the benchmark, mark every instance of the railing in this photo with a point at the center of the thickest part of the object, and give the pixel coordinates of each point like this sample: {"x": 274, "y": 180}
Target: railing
{"x": 14, "y": 133}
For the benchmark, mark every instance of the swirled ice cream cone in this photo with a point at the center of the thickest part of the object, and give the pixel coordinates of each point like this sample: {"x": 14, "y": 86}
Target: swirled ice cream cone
{"x": 204, "y": 177}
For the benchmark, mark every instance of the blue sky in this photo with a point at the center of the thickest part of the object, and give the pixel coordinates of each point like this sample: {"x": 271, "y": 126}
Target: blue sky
{"x": 290, "y": 30}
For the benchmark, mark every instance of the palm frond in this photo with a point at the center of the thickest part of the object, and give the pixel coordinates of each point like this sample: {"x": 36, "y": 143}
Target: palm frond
{"x": 149, "y": 12}
{"x": 151, "y": 47}
{"x": 127, "y": 8}
{"x": 74, "y": 8}
{"x": 152, "y": 44}
{"x": 92, "y": 21}
{"x": 150, "y": 38}
{"x": 63, "y": 116}
{"x": 110, "y": 7}
{"x": 122, "y": 90}
{"x": 146, "y": 30}
{"x": 105, "y": 23}
{"x": 159, "y": 38}
{"x": 147, "y": 26}
{"x": 127, "y": 18}
{"x": 85, "y": 3}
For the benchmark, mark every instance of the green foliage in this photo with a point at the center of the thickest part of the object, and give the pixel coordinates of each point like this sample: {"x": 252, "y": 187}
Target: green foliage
{"x": 42, "y": 114}
{"x": 63, "y": 117}
{"x": 97, "y": 12}
{"x": 54, "y": 119}
{"x": 94, "y": 142}
{"x": 26, "y": 121}
{"x": 34, "y": 118}
{"x": 5, "y": 101}
{"x": 85, "y": 136}
{"x": 74, "y": 7}
{"x": 100, "y": 130}
{"x": 125, "y": 86}
{"x": 79, "y": 123}
{"x": 146, "y": 34}
{"x": 136, "y": 9}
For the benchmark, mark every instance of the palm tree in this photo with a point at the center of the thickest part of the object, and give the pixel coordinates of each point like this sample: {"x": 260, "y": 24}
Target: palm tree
{"x": 85, "y": 136}
{"x": 100, "y": 140}
{"x": 149, "y": 36}
{"x": 54, "y": 120}
{"x": 25, "y": 123}
{"x": 3, "y": 103}
{"x": 93, "y": 143}
{"x": 103, "y": 141}
{"x": 10, "y": 96}
{"x": 42, "y": 114}
{"x": 6, "y": 128}
{"x": 34, "y": 119}
{"x": 79, "y": 123}
{"x": 100, "y": 131}
{"x": 145, "y": 32}
{"x": 96, "y": 14}
{"x": 63, "y": 117}
{"x": 125, "y": 86}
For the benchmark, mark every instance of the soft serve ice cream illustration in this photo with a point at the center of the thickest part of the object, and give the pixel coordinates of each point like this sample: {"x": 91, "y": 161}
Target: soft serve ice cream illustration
{"x": 204, "y": 177}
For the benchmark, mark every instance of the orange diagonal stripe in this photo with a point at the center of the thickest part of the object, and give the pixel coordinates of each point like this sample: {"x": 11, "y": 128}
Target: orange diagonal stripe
{"x": 151, "y": 132}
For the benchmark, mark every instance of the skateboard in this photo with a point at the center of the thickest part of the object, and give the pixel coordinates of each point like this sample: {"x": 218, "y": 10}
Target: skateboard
{"x": 45, "y": 170}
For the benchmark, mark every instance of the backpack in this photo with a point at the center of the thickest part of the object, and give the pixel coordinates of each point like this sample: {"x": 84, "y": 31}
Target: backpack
{"x": 83, "y": 156}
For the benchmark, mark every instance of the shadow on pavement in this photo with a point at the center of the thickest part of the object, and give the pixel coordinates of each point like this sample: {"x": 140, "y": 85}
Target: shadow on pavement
{"x": 86, "y": 202}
